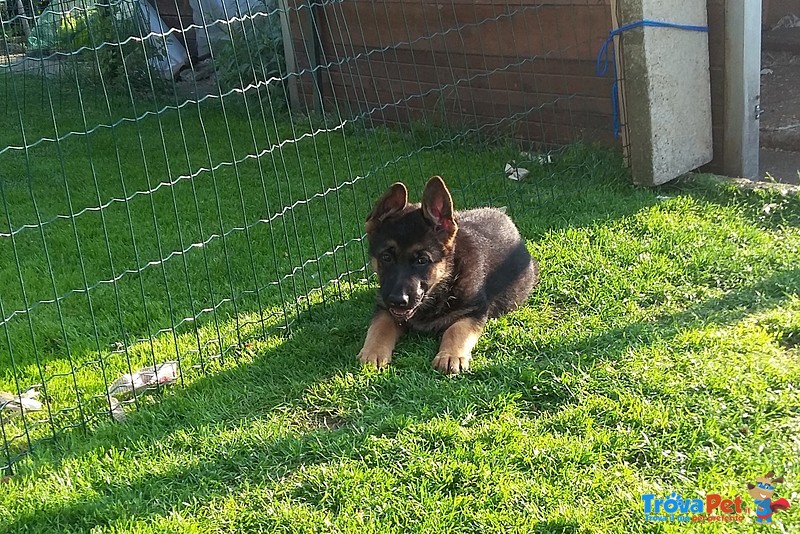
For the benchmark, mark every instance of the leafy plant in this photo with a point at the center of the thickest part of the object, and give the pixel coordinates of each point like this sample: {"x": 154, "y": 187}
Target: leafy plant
{"x": 73, "y": 31}
{"x": 107, "y": 37}
{"x": 254, "y": 53}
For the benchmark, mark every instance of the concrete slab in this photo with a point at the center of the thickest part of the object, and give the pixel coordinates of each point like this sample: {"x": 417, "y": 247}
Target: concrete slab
{"x": 667, "y": 90}
{"x": 780, "y": 165}
{"x": 781, "y": 40}
{"x": 780, "y": 102}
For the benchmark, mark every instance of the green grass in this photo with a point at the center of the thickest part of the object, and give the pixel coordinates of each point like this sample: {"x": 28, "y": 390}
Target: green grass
{"x": 659, "y": 353}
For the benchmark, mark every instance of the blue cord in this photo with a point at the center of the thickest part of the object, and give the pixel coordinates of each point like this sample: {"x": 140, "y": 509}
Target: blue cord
{"x": 603, "y": 57}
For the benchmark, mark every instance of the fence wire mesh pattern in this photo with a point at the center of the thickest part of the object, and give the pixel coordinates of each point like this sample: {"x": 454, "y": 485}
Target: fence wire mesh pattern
{"x": 179, "y": 178}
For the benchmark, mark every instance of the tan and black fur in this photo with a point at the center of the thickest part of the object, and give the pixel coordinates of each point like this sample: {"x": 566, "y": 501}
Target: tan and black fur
{"x": 441, "y": 271}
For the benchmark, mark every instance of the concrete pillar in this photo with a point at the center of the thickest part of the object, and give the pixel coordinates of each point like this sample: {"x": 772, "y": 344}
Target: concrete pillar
{"x": 667, "y": 89}
{"x": 742, "y": 88}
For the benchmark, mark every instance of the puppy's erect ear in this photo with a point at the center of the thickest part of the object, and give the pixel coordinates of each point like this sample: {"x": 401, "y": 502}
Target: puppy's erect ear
{"x": 770, "y": 474}
{"x": 437, "y": 205}
{"x": 393, "y": 201}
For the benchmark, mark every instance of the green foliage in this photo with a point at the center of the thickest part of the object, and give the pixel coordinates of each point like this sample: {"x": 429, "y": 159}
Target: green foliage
{"x": 254, "y": 53}
{"x": 73, "y": 31}
{"x": 106, "y": 38}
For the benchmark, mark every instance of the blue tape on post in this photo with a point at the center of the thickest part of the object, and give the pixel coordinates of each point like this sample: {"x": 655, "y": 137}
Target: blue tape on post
{"x": 603, "y": 57}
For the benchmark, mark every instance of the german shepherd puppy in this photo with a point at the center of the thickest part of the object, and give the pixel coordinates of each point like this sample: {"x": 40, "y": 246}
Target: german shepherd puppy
{"x": 441, "y": 271}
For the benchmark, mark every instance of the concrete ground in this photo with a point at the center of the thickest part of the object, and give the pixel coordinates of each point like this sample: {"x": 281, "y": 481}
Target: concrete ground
{"x": 779, "y": 165}
{"x": 780, "y": 100}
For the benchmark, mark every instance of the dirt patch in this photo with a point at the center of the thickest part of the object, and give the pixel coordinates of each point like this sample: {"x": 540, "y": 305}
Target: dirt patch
{"x": 780, "y": 165}
{"x": 327, "y": 421}
{"x": 780, "y": 103}
{"x": 22, "y": 64}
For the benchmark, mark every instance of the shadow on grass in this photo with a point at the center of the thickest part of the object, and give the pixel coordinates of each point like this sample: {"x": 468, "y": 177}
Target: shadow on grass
{"x": 225, "y": 400}
{"x": 323, "y": 345}
{"x": 547, "y": 202}
{"x": 586, "y": 188}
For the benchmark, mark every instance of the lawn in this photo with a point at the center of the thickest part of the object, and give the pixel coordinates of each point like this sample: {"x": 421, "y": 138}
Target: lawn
{"x": 658, "y": 355}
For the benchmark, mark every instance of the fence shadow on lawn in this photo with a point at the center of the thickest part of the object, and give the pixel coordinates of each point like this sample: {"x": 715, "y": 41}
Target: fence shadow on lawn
{"x": 583, "y": 187}
{"x": 286, "y": 376}
{"x": 322, "y": 347}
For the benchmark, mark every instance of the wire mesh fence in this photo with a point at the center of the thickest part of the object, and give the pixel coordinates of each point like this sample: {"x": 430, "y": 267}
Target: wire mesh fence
{"x": 180, "y": 178}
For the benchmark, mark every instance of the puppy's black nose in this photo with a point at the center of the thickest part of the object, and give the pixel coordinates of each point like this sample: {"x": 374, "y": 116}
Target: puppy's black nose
{"x": 398, "y": 300}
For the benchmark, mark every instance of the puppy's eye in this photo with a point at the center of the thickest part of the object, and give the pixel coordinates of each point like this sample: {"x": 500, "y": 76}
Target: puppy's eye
{"x": 422, "y": 260}
{"x": 386, "y": 257}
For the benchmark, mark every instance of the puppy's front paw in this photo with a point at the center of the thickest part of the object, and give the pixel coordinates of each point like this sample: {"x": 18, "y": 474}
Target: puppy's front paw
{"x": 451, "y": 364}
{"x": 375, "y": 358}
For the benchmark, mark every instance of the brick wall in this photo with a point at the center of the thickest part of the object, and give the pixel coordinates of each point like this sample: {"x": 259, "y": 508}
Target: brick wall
{"x": 521, "y": 66}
